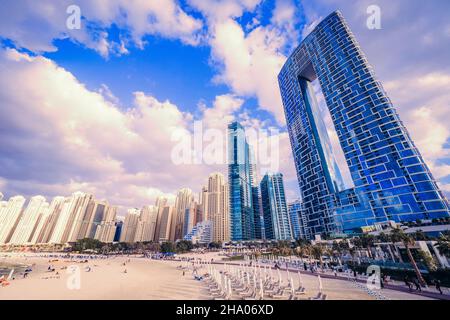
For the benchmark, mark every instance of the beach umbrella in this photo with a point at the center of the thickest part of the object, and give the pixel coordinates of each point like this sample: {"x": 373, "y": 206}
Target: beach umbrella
{"x": 10, "y": 274}
{"x": 300, "y": 282}
{"x": 261, "y": 289}
{"x": 292, "y": 286}
{"x": 320, "y": 283}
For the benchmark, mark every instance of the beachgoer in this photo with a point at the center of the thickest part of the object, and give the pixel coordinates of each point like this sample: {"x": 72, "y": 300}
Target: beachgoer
{"x": 437, "y": 283}
{"x": 408, "y": 283}
{"x": 417, "y": 284}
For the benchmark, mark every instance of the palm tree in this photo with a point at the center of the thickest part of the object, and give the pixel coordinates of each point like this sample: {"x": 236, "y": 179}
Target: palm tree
{"x": 397, "y": 235}
{"x": 367, "y": 241}
{"x": 317, "y": 252}
{"x": 443, "y": 245}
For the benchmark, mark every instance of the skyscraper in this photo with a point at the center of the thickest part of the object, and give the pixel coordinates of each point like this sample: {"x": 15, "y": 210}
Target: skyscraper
{"x": 106, "y": 230}
{"x": 295, "y": 216}
{"x": 130, "y": 226}
{"x": 9, "y": 218}
{"x": 47, "y": 223}
{"x": 146, "y": 226}
{"x": 218, "y": 207}
{"x": 190, "y": 214}
{"x": 204, "y": 203}
{"x": 391, "y": 180}
{"x": 71, "y": 217}
{"x": 160, "y": 203}
{"x": 277, "y": 225}
{"x": 242, "y": 213}
{"x": 182, "y": 202}
{"x": 165, "y": 223}
{"x": 29, "y": 221}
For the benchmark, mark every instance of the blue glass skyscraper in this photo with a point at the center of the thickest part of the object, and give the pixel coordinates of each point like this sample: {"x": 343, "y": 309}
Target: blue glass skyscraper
{"x": 391, "y": 180}
{"x": 277, "y": 225}
{"x": 240, "y": 172}
{"x": 295, "y": 216}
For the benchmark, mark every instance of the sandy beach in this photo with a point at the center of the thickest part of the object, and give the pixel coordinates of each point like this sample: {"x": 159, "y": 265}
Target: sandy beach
{"x": 144, "y": 279}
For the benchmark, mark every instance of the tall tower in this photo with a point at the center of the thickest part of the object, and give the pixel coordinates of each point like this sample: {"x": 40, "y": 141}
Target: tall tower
{"x": 242, "y": 214}
{"x": 9, "y": 218}
{"x": 218, "y": 207}
{"x": 29, "y": 220}
{"x": 165, "y": 223}
{"x": 277, "y": 225}
{"x": 70, "y": 217}
{"x": 391, "y": 180}
{"x": 182, "y": 202}
{"x": 146, "y": 227}
{"x": 295, "y": 216}
{"x": 48, "y": 221}
{"x": 130, "y": 226}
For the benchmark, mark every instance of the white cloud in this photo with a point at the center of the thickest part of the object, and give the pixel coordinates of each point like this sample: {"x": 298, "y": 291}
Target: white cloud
{"x": 19, "y": 21}
{"x": 249, "y": 63}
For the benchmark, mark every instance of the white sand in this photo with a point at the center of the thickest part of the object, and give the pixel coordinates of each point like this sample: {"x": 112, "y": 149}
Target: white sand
{"x": 145, "y": 279}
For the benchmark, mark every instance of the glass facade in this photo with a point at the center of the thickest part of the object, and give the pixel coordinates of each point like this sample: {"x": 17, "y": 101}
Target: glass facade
{"x": 295, "y": 216}
{"x": 277, "y": 225}
{"x": 391, "y": 180}
{"x": 242, "y": 213}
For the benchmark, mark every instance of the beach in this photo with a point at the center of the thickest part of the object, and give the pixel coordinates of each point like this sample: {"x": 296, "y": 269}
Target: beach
{"x": 145, "y": 279}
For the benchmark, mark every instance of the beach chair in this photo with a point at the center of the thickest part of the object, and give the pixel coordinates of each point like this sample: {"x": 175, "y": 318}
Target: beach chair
{"x": 300, "y": 290}
{"x": 320, "y": 296}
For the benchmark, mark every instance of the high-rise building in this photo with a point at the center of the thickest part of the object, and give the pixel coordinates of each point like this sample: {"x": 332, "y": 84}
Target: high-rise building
{"x": 1, "y": 196}
{"x": 9, "y": 217}
{"x": 29, "y": 221}
{"x": 146, "y": 226}
{"x": 71, "y": 217}
{"x": 160, "y": 203}
{"x": 391, "y": 180}
{"x": 130, "y": 226}
{"x": 255, "y": 197}
{"x": 106, "y": 230}
{"x": 165, "y": 224}
{"x": 242, "y": 215}
{"x": 118, "y": 233}
{"x": 296, "y": 218}
{"x": 47, "y": 223}
{"x": 204, "y": 203}
{"x": 190, "y": 215}
{"x": 277, "y": 225}
{"x": 182, "y": 202}
{"x": 218, "y": 207}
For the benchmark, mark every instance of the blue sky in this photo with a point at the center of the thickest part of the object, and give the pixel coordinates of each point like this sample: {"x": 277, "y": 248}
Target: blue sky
{"x": 94, "y": 109}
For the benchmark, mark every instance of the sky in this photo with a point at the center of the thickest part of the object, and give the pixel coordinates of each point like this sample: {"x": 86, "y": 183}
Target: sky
{"x": 96, "y": 108}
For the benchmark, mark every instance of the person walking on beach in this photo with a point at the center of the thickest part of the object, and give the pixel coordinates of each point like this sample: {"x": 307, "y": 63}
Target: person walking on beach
{"x": 417, "y": 284}
{"x": 408, "y": 284}
{"x": 437, "y": 283}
